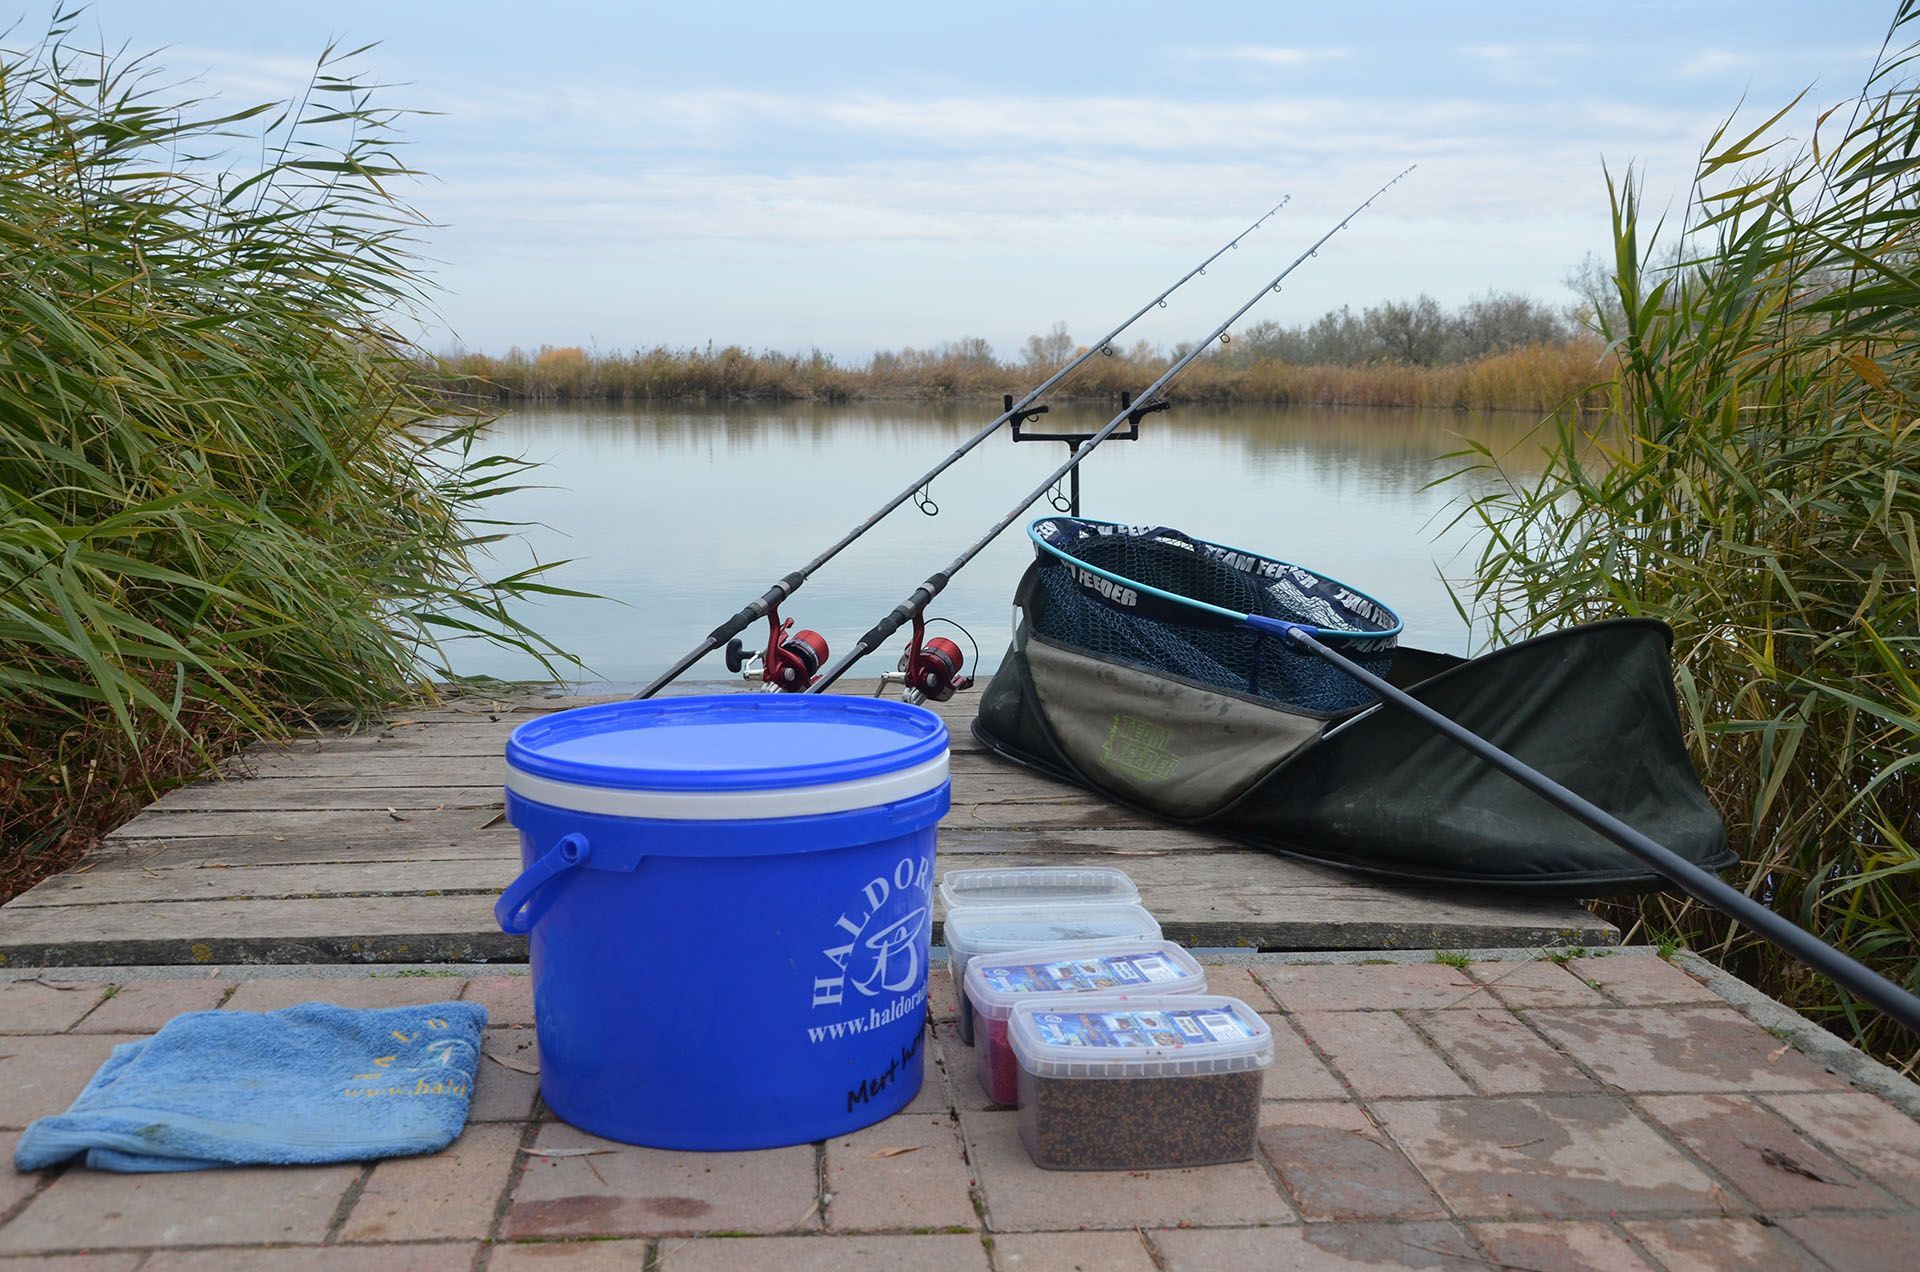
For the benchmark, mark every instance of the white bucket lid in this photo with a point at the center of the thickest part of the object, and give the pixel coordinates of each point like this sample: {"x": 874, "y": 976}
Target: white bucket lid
{"x": 728, "y": 757}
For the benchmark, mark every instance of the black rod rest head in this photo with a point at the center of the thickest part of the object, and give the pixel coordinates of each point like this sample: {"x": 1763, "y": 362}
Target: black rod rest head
{"x": 1020, "y": 417}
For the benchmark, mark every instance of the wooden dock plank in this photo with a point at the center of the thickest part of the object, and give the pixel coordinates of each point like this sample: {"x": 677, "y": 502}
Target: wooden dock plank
{"x": 438, "y": 837}
{"x": 386, "y": 845}
{"x": 1224, "y": 899}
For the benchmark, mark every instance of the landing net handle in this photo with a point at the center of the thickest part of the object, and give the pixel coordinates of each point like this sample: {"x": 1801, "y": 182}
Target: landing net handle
{"x": 1844, "y": 971}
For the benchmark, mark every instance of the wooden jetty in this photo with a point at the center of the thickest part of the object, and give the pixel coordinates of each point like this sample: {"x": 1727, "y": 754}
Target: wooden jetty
{"x": 389, "y": 845}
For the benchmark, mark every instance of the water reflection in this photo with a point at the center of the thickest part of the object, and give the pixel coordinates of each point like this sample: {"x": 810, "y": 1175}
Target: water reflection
{"x": 678, "y": 514}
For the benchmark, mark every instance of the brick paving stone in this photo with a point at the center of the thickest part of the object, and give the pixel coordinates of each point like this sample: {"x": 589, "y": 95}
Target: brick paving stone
{"x": 449, "y": 1194}
{"x": 1238, "y": 982}
{"x": 1731, "y": 1244}
{"x": 958, "y": 1252}
{"x": 575, "y": 1256}
{"x": 95, "y": 1209}
{"x": 932, "y": 1096}
{"x": 508, "y": 999}
{"x": 1643, "y": 980}
{"x": 926, "y": 1187}
{"x": 1545, "y": 1155}
{"x": 1071, "y": 1252}
{"x": 632, "y": 1191}
{"x": 41, "y": 1075}
{"x": 15, "y": 1186}
{"x": 28, "y": 1007}
{"x": 1541, "y": 983}
{"x": 141, "y": 1007}
{"x": 375, "y": 1258}
{"x": 1297, "y": 1074}
{"x": 271, "y": 994}
{"x": 502, "y": 1093}
{"x": 1859, "y": 1243}
{"x": 1321, "y": 1247}
{"x": 1682, "y": 1049}
{"x": 1023, "y": 1198}
{"x": 943, "y": 1000}
{"x": 1336, "y": 1164}
{"x": 1761, "y": 1154}
{"x": 1499, "y": 1053}
{"x": 1368, "y": 986}
{"x": 1865, "y": 1132}
{"x": 1579, "y": 1246}
{"x": 961, "y": 1065}
{"x": 1380, "y": 1054}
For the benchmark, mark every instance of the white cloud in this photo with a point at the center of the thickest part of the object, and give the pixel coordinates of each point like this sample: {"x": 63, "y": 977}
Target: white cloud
{"x": 1270, "y": 54}
{"x": 1712, "y": 62}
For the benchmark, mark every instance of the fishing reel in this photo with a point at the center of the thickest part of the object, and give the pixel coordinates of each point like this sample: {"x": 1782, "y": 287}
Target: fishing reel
{"x": 790, "y": 661}
{"x": 930, "y": 669}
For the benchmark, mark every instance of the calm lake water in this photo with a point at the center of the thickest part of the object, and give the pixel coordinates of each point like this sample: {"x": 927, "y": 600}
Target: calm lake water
{"x": 679, "y": 515}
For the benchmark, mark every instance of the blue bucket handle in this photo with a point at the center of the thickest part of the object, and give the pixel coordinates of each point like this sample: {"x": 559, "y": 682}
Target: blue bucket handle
{"x": 512, "y": 910}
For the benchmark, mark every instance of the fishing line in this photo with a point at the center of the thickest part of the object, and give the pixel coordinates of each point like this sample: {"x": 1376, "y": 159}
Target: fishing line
{"x": 909, "y": 609}
{"x": 767, "y": 604}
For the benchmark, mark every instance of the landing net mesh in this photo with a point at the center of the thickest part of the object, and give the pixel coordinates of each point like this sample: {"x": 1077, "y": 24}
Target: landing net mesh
{"x": 1083, "y": 610}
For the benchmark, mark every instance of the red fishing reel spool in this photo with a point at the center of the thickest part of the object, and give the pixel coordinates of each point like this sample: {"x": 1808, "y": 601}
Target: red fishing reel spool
{"x": 790, "y": 662}
{"x": 795, "y": 661}
{"x": 931, "y": 668}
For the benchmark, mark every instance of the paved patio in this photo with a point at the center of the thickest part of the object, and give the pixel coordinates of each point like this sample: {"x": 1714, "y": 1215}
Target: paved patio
{"x": 1615, "y": 1111}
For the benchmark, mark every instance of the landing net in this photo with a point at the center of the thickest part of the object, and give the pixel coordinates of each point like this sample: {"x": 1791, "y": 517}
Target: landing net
{"x": 1157, "y": 598}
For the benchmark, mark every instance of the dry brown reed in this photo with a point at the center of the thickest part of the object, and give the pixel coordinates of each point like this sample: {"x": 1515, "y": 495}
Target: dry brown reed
{"x": 1537, "y": 378}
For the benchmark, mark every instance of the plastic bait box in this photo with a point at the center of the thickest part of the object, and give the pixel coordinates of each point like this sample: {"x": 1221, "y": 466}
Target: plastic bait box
{"x": 994, "y": 983}
{"x": 1139, "y": 1083}
{"x": 973, "y": 930}
{"x": 1038, "y": 885}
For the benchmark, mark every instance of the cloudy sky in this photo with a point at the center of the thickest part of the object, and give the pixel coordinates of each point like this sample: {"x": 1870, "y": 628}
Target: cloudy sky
{"x": 855, "y": 177}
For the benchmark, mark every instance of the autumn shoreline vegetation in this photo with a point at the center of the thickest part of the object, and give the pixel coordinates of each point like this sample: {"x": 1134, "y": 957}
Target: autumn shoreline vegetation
{"x": 1495, "y": 353}
{"x": 226, "y": 508}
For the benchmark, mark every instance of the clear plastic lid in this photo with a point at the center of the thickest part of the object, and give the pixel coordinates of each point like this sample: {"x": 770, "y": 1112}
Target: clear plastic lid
{"x": 995, "y": 982}
{"x": 994, "y": 929}
{"x": 1037, "y": 885}
{"x": 1139, "y": 1036}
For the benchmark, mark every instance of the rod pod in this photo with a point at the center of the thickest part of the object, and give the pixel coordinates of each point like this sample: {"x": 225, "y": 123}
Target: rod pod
{"x": 1143, "y": 403}
{"x": 791, "y": 583}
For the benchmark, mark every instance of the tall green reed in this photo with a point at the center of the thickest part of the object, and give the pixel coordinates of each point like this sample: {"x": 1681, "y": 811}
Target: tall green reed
{"x": 224, "y": 502}
{"x": 1757, "y": 486}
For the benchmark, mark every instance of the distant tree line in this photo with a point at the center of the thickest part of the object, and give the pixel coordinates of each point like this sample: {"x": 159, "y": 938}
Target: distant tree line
{"x": 1497, "y": 351}
{"x": 1420, "y": 333}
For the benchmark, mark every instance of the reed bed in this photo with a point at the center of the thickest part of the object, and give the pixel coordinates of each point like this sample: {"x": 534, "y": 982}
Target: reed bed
{"x": 1758, "y": 488}
{"x": 1535, "y": 378}
{"x": 226, "y": 507}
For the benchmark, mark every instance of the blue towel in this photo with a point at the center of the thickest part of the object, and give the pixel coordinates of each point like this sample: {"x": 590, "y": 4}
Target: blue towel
{"x": 313, "y": 1083}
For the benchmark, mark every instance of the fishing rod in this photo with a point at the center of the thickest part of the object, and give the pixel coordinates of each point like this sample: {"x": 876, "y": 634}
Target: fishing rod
{"x": 791, "y": 658}
{"x": 924, "y": 680}
{"x": 1704, "y": 887}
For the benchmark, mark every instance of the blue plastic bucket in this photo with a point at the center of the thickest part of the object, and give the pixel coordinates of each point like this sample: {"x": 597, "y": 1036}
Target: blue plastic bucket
{"x": 729, "y": 902}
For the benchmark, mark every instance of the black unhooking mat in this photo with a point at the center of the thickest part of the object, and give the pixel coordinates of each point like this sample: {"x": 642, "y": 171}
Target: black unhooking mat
{"x": 1370, "y": 788}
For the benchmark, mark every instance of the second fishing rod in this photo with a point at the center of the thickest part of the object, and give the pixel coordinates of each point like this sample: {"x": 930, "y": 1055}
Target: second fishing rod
{"x": 928, "y": 681}
{"x": 779, "y": 667}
